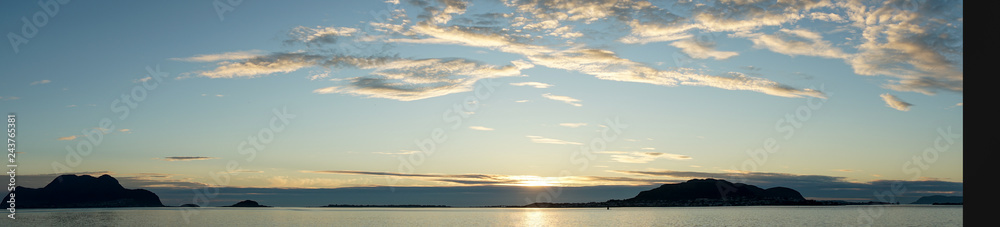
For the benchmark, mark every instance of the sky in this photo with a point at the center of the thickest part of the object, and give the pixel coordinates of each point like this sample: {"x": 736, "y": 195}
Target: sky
{"x": 838, "y": 99}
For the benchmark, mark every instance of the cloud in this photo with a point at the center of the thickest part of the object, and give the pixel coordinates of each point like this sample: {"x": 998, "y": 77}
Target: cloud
{"x": 919, "y": 46}
{"x": 480, "y": 128}
{"x": 186, "y": 158}
{"x": 832, "y": 17}
{"x": 702, "y": 49}
{"x": 572, "y": 125}
{"x": 319, "y": 35}
{"x": 532, "y": 84}
{"x": 264, "y": 65}
{"x": 894, "y": 102}
{"x": 463, "y": 179}
{"x": 644, "y": 157}
{"x": 408, "y": 80}
{"x": 566, "y": 99}
{"x": 73, "y": 137}
{"x": 228, "y": 56}
{"x": 539, "y": 139}
{"x": 797, "y": 42}
{"x": 401, "y": 152}
{"x": 41, "y": 82}
{"x": 140, "y": 80}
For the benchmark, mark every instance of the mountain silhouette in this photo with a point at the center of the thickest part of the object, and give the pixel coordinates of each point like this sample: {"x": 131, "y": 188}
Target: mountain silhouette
{"x": 84, "y": 191}
{"x": 702, "y": 192}
{"x": 938, "y": 199}
{"x": 247, "y": 203}
{"x": 712, "y": 189}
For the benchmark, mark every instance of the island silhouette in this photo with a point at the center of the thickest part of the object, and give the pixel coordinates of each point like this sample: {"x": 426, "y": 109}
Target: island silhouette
{"x": 247, "y": 203}
{"x": 85, "y": 191}
{"x": 939, "y": 200}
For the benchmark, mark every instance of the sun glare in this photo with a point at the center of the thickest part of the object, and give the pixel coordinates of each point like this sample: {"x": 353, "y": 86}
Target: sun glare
{"x": 534, "y": 181}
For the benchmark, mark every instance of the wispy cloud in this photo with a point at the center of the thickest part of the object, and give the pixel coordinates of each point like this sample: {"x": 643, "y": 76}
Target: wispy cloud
{"x": 797, "y": 42}
{"x": 918, "y": 48}
{"x": 41, "y": 82}
{"x": 702, "y": 49}
{"x": 566, "y": 99}
{"x": 480, "y": 128}
{"x": 401, "y": 152}
{"x": 186, "y": 158}
{"x": 228, "y": 56}
{"x": 573, "y": 125}
{"x": 319, "y": 35}
{"x": 894, "y": 102}
{"x": 539, "y": 139}
{"x": 408, "y": 80}
{"x": 643, "y": 157}
{"x": 532, "y": 84}
{"x": 73, "y": 137}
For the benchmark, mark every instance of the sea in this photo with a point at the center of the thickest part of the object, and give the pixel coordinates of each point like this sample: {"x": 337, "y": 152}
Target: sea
{"x": 860, "y": 215}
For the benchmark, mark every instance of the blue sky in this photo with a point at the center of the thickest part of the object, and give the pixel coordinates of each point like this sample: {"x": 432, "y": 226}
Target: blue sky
{"x": 560, "y": 93}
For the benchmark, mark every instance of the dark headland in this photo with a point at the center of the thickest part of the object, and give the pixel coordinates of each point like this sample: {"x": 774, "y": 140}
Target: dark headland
{"x": 705, "y": 192}
{"x": 939, "y": 200}
{"x": 84, "y": 191}
{"x": 247, "y": 203}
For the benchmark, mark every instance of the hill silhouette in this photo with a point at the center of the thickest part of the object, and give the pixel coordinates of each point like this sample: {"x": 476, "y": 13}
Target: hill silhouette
{"x": 84, "y": 191}
{"x": 247, "y": 203}
{"x": 943, "y": 199}
{"x": 713, "y": 189}
{"x": 702, "y": 192}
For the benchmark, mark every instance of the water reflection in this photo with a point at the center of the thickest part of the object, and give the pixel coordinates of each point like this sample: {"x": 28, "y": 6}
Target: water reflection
{"x": 534, "y": 217}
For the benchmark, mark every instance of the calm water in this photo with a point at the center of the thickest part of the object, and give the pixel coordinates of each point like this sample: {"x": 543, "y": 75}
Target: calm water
{"x": 904, "y": 215}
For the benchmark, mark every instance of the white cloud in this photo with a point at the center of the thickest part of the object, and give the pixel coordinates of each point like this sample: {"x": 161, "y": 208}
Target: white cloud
{"x": 646, "y": 157}
{"x": 920, "y": 46}
{"x": 228, "y": 56}
{"x": 572, "y": 125}
{"x": 264, "y": 65}
{"x": 532, "y": 84}
{"x": 539, "y": 139}
{"x": 702, "y": 50}
{"x": 41, "y": 82}
{"x": 480, "y": 128}
{"x": 797, "y": 42}
{"x": 566, "y": 99}
{"x": 408, "y": 80}
{"x": 401, "y": 152}
{"x": 319, "y": 35}
{"x": 894, "y": 102}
